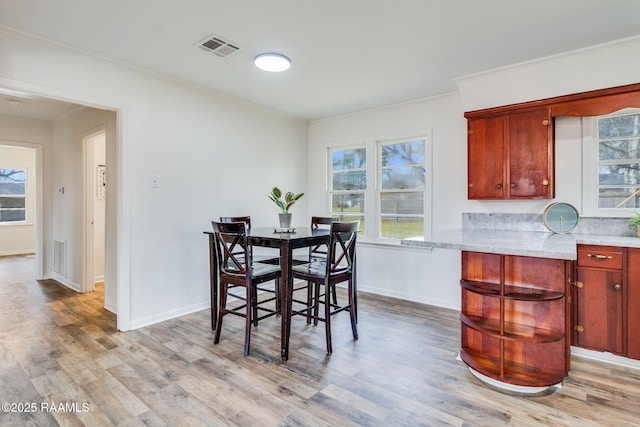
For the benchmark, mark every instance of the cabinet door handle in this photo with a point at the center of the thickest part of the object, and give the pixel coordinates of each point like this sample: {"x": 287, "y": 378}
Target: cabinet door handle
{"x": 617, "y": 286}
{"x": 545, "y": 182}
{"x": 513, "y": 185}
{"x": 598, "y": 256}
{"x": 499, "y": 186}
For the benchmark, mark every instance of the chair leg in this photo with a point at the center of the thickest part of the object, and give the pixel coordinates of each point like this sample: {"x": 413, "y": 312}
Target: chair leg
{"x": 277, "y": 291}
{"x": 250, "y": 308}
{"x": 310, "y": 303}
{"x": 327, "y": 316}
{"x": 221, "y": 309}
{"x": 352, "y": 311}
{"x": 254, "y": 304}
{"x": 316, "y": 304}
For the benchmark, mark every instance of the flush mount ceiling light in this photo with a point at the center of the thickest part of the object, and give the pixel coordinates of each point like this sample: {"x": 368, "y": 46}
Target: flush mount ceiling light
{"x": 273, "y": 62}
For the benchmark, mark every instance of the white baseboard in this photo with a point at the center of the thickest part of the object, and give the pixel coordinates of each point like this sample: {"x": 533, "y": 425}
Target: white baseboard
{"x": 410, "y": 297}
{"x": 111, "y": 307}
{"x": 23, "y": 252}
{"x": 171, "y": 314}
{"x": 603, "y": 356}
{"x": 63, "y": 281}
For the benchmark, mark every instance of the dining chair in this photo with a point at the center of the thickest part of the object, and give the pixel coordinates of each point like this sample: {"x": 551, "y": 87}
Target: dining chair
{"x": 262, "y": 258}
{"x": 237, "y": 270}
{"x": 247, "y": 220}
{"x": 314, "y": 252}
{"x": 337, "y": 267}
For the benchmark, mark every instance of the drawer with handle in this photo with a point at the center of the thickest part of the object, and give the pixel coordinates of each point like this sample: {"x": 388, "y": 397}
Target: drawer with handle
{"x": 600, "y": 256}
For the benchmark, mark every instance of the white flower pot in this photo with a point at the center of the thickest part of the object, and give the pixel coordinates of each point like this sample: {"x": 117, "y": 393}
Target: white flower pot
{"x": 285, "y": 220}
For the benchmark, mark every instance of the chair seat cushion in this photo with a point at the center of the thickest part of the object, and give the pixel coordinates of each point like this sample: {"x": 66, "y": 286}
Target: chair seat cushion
{"x": 257, "y": 269}
{"x": 265, "y": 259}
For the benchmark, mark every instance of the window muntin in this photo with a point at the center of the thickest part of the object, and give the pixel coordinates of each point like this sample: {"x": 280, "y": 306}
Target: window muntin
{"x": 618, "y": 161}
{"x": 13, "y": 192}
{"x": 348, "y": 184}
{"x": 402, "y": 186}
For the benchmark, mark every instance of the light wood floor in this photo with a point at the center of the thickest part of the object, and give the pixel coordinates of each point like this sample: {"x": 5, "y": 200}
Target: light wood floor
{"x": 57, "y": 346}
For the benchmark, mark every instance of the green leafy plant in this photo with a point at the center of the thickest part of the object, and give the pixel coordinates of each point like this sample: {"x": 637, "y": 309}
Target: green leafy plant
{"x": 289, "y": 199}
{"x": 634, "y": 221}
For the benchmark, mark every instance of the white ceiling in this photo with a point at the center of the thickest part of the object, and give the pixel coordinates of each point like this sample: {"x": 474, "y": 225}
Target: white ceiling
{"x": 347, "y": 55}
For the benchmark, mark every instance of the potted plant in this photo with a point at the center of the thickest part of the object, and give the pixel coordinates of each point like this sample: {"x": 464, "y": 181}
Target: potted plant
{"x": 284, "y": 204}
{"x": 634, "y": 221}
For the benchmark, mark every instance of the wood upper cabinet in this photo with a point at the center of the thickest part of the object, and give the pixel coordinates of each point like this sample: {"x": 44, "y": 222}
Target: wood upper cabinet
{"x": 484, "y": 157}
{"x": 511, "y": 156}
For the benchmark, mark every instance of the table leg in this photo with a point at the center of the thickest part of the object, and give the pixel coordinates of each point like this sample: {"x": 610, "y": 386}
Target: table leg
{"x": 286, "y": 294}
{"x": 213, "y": 281}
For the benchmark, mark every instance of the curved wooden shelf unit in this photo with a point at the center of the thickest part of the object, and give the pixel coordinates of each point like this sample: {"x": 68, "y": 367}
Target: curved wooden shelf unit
{"x": 514, "y": 318}
{"x": 510, "y": 292}
{"x": 512, "y": 373}
{"x": 510, "y": 331}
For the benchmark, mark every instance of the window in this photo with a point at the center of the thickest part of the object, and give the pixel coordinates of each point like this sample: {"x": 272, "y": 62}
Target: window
{"x": 12, "y": 195}
{"x": 401, "y": 188}
{"x": 348, "y": 184}
{"x": 612, "y": 166}
{"x": 383, "y": 184}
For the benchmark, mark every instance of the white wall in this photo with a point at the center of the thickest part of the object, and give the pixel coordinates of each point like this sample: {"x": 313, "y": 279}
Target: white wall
{"x": 418, "y": 275}
{"x": 602, "y": 66}
{"x": 20, "y": 238}
{"x": 215, "y": 155}
{"x": 433, "y": 277}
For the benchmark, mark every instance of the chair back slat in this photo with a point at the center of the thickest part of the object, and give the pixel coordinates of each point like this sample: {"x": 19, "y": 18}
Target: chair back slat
{"x": 231, "y": 247}
{"x": 318, "y": 222}
{"x": 342, "y": 246}
{"x": 245, "y": 219}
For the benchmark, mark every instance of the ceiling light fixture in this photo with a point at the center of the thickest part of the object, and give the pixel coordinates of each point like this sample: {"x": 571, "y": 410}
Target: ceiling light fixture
{"x": 273, "y": 62}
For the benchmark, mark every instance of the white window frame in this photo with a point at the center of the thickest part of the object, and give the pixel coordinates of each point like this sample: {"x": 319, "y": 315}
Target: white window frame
{"x": 590, "y": 163}
{"x": 373, "y": 172}
{"x": 26, "y": 200}
{"x": 330, "y": 191}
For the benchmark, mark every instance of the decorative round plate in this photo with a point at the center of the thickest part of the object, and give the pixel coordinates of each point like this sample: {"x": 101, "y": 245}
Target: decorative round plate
{"x": 560, "y": 217}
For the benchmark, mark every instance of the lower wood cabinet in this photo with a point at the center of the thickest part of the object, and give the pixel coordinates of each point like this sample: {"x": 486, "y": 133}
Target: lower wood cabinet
{"x": 633, "y": 306}
{"x": 606, "y": 295}
{"x": 599, "y": 299}
{"x": 514, "y": 318}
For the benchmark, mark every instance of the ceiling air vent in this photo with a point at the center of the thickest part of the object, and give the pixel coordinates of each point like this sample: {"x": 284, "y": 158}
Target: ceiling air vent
{"x": 218, "y": 46}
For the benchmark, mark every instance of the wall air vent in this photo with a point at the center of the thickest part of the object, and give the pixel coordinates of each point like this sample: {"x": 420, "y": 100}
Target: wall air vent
{"x": 218, "y": 46}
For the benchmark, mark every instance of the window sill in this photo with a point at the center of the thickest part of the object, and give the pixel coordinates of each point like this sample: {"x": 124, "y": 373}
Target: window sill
{"x": 393, "y": 246}
{"x": 16, "y": 224}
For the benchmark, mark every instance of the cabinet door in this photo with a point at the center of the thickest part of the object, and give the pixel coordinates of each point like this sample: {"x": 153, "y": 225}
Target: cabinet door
{"x": 485, "y": 158}
{"x": 633, "y": 330}
{"x": 530, "y": 147}
{"x": 599, "y": 317}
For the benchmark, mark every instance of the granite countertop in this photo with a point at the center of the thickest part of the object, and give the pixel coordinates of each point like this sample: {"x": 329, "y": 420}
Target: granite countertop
{"x": 513, "y": 242}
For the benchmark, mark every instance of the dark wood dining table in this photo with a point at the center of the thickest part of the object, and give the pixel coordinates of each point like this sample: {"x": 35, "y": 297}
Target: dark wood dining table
{"x": 267, "y": 237}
